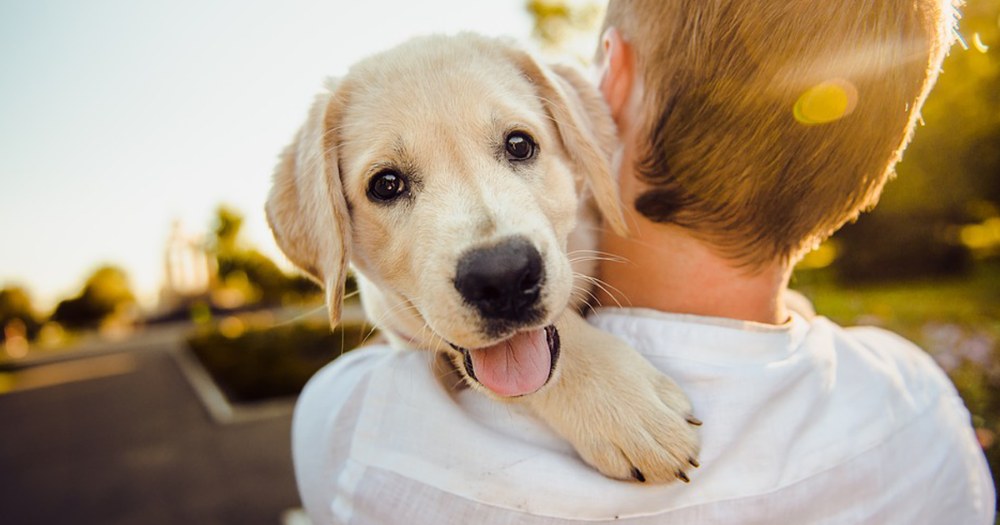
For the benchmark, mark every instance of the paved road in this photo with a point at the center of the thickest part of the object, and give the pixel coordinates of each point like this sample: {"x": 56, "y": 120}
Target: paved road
{"x": 122, "y": 439}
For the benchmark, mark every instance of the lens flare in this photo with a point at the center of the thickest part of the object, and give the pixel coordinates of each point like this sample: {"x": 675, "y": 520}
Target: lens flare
{"x": 977, "y": 42}
{"x": 826, "y": 102}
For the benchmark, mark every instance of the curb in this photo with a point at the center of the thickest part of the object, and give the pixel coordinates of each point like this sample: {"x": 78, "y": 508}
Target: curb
{"x": 216, "y": 403}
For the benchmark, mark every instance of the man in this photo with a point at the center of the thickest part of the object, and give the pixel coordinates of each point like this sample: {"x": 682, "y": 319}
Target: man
{"x": 750, "y": 131}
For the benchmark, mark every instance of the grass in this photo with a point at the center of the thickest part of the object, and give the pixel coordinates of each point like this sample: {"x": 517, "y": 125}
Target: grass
{"x": 972, "y": 302}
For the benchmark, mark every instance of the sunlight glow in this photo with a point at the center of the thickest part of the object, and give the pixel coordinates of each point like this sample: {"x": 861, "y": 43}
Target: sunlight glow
{"x": 821, "y": 257}
{"x": 231, "y": 327}
{"x": 982, "y": 236}
{"x": 977, "y": 42}
{"x": 826, "y": 102}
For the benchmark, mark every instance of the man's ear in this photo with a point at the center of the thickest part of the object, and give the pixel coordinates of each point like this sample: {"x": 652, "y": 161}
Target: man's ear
{"x": 617, "y": 75}
{"x": 585, "y": 128}
{"x": 306, "y": 208}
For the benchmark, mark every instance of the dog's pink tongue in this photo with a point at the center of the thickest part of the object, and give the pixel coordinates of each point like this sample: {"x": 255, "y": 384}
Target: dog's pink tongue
{"x": 520, "y": 365}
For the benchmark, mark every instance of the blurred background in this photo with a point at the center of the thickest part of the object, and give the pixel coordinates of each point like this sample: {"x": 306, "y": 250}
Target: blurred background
{"x": 152, "y": 337}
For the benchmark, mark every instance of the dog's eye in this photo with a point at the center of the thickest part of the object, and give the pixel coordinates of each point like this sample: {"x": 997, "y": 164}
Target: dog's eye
{"x": 386, "y": 186}
{"x": 520, "y": 146}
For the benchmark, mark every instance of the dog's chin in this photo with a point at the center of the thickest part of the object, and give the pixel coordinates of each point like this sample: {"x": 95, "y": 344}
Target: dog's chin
{"x": 514, "y": 366}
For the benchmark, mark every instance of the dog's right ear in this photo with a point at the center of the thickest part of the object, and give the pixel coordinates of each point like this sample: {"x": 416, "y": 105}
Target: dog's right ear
{"x": 306, "y": 208}
{"x": 585, "y": 127}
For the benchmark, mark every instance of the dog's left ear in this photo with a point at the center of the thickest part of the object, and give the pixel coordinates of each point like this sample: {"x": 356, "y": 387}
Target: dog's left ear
{"x": 585, "y": 127}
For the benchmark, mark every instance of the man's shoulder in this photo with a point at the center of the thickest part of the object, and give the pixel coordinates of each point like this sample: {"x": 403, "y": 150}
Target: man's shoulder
{"x": 352, "y": 372}
{"x": 348, "y": 369}
{"x": 951, "y": 462}
{"x": 898, "y": 360}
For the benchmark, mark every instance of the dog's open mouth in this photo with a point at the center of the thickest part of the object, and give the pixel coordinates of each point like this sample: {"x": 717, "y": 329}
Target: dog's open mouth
{"x": 515, "y": 366}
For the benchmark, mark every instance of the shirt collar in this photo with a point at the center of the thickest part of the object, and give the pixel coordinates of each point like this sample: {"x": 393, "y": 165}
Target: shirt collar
{"x": 715, "y": 340}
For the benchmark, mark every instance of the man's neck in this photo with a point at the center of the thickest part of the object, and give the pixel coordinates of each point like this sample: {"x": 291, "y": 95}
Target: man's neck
{"x": 663, "y": 267}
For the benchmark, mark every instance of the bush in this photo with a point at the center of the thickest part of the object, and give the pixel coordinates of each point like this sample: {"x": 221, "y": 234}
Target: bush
{"x": 274, "y": 362}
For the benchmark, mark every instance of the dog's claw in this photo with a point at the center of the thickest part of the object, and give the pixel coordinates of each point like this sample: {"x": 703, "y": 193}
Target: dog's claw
{"x": 694, "y": 421}
{"x": 694, "y": 462}
{"x": 683, "y": 477}
{"x": 637, "y": 474}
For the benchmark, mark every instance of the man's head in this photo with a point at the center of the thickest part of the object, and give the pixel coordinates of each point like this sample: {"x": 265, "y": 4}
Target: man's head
{"x": 762, "y": 127}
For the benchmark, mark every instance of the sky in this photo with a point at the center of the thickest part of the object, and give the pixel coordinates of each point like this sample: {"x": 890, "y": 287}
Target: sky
{"x": 119, "y": 117}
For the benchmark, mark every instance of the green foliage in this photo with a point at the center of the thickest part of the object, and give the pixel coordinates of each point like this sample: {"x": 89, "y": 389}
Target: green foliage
{"x": 558, "y": 22}
{"x": 257, "y": 278}
{"x": 228, "y": 223}
{"x": 108, "y": 287}
{"x": 270, "y": 285}
{"x": 15, "y": 303}
{"x": 273, "y": 362}
{"x": 106, "y": 291}
{"x": 962, "y": 135}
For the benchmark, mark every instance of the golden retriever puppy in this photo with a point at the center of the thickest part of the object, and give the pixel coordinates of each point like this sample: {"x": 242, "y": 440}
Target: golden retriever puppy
{"x": 463, "y": 181}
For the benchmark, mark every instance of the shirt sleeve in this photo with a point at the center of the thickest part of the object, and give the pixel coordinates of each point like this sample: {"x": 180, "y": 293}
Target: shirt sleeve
{"x": 319, "y": 445}
{"x": 963, "y": 484}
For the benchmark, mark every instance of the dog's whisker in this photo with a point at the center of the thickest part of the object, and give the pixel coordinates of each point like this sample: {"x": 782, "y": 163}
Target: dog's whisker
{"x": 584, "y": 250}
{"x": 301, "y": 317}
{"x": 608, "y": 289}
{"x": 608, "y": 259}
{"x": 588, "y": 304}
{"x": 594, "y": 252}
{"x": 595, "y": 255}
{"x": 394, "y": 309}
{"x": 426, "y": 336}
{"x": 367, "y": 336}
{"x": 584, "y": 292}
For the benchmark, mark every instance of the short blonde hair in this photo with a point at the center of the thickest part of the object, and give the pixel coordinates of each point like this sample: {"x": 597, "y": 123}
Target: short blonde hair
{"x": 732, "y": 153}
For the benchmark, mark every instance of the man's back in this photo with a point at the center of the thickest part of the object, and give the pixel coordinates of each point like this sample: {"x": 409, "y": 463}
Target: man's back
{"x": 804, "y": 423}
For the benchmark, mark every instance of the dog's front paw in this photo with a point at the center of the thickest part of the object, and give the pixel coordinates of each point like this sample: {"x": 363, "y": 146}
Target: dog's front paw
{"x": 645, "y": 432}
{"x": 622, "y": 415}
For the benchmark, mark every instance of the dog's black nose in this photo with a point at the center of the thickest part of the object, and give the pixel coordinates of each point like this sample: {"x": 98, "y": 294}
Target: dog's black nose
{"x": 502, "y": 281}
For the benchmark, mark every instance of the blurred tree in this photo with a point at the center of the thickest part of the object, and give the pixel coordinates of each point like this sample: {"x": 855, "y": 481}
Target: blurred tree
{"x": 562, "y": 25}
{"x": 15, "y": 303}
{"x": 228, "y": 223}
{"x": 246, "y": 276}
{"x": 105, "y": 292}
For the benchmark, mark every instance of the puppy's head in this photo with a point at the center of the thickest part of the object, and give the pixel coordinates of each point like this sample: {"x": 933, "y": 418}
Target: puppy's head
{"x": 446, "y": 170}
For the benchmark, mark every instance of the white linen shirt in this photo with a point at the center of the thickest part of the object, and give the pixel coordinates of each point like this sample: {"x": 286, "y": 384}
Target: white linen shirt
{"x": 803, "y": 423}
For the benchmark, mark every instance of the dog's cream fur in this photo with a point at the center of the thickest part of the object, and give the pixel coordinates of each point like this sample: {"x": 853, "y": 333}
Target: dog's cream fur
{"x": 439, "y": 108}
